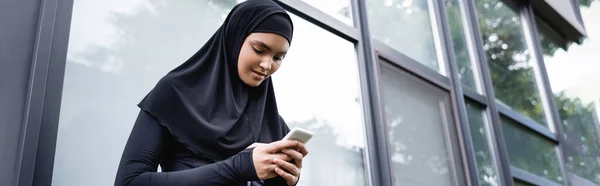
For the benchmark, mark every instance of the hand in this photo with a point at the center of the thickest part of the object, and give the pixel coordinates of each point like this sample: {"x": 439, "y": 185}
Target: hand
{"x": 291, "y": 171}
{"x": 263, "y": 157}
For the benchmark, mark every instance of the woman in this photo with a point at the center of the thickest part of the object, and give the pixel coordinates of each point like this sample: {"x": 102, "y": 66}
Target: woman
{"x": 213, "y": 120}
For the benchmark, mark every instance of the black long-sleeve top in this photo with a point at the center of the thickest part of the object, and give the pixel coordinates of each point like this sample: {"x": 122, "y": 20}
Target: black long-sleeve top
{"x": 150, "y": 144}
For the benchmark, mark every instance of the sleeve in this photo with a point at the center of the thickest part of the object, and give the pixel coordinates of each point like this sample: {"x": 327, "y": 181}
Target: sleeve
{"x": 276, "y": 181}
{"x": 146, "y": 146}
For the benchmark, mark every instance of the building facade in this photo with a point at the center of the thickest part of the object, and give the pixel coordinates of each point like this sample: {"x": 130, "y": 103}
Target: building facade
{"x": 398, "y": 92}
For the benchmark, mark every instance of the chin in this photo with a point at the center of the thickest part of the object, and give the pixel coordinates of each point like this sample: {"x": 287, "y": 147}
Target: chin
{"x": 253, "y": 83}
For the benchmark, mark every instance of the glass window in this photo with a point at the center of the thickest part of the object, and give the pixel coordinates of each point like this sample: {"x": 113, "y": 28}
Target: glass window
{"x": 459, "y": 40}
{"x": 574, "y": 77}
{"x": 530, "y": 151}
{"x": 119, "y": 49}
{"x": 334, "y": 114}
{"x": 339, "y": 9}
{"x": 509, "y": 59}
{"x": 487, "y": 172}
{"x": 422, "y": 148}
{"x": 405, "y": 25}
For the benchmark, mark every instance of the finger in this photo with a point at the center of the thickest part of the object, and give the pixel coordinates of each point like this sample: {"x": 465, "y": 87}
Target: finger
{"x": 289, "y": 179}
{"x": 271, "y": 171}
{"x": 282, "y": 156}
{"x": 272, "y": 167}
{"x": 302, "y": 149}
{"x": 295, "y": 155}
{"x": 291, "y": 168}
{"x": 292, "y": 153}
{"x": 283, "y": 144}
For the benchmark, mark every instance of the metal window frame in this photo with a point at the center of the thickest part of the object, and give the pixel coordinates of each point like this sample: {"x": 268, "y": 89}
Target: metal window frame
{"x": 543, "y": 83}
{"x": 451, "y": 129}
{"x": 483, "y": 96}
{"x": 527, "y": 122}
{"x": 451, "y": 84}
{"x": 552, "y": 133}
{"x": 471, "y": 94}
{"x": 579, "y": 181}
{"x": 379, "y": 161}
{"x": 530, "y": 178}
{"x": 458, "y": 102}
{"x": 411, "y": 65}
{"x": 36, "y": 154}
{"x": 44, "y": 163}
{"x": 34, "y": 106}
{"x": 321, "y": 19}
{"x": 368, "y": 67}
{"x": 496, "y": 136}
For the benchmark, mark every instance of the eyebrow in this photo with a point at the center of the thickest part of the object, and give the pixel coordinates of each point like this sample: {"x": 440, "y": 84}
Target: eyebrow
{"x": 264, "y": 45}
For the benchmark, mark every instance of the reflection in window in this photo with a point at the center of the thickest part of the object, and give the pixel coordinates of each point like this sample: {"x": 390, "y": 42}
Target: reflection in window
{"x": 574, "y": 78}
{"x": 459, "y": 41}
{"x": 405, "y": 25}
{"x": 339, "y": 9}
{"x": 479, "y": 134}
{"x": 509, "y": 59}
{"x": 530, "y": 151}
{"x": 330, "y": 106}
{"x": 417, "y": 115}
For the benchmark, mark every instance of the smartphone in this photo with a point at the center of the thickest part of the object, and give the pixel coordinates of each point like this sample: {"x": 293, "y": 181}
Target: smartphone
{"x": 299, "y": 134}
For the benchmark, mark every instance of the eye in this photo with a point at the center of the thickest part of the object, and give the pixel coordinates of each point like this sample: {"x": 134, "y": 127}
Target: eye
{"x": 278, "y": 58}
{"x": 258, "y": 51}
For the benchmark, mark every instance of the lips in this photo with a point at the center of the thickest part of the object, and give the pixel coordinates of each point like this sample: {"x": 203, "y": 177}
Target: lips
{"x": 260, "y": 73}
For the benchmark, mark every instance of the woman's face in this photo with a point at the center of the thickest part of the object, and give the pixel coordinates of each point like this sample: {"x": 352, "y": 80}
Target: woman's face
{"x": 260, "y": 57}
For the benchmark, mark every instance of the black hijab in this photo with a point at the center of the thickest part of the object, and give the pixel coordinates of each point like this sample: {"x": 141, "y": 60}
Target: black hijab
{"x": 205, "y": 105}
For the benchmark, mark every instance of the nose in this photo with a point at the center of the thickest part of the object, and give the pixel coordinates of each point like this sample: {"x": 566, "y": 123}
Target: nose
{"x": 266, "y": 64}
